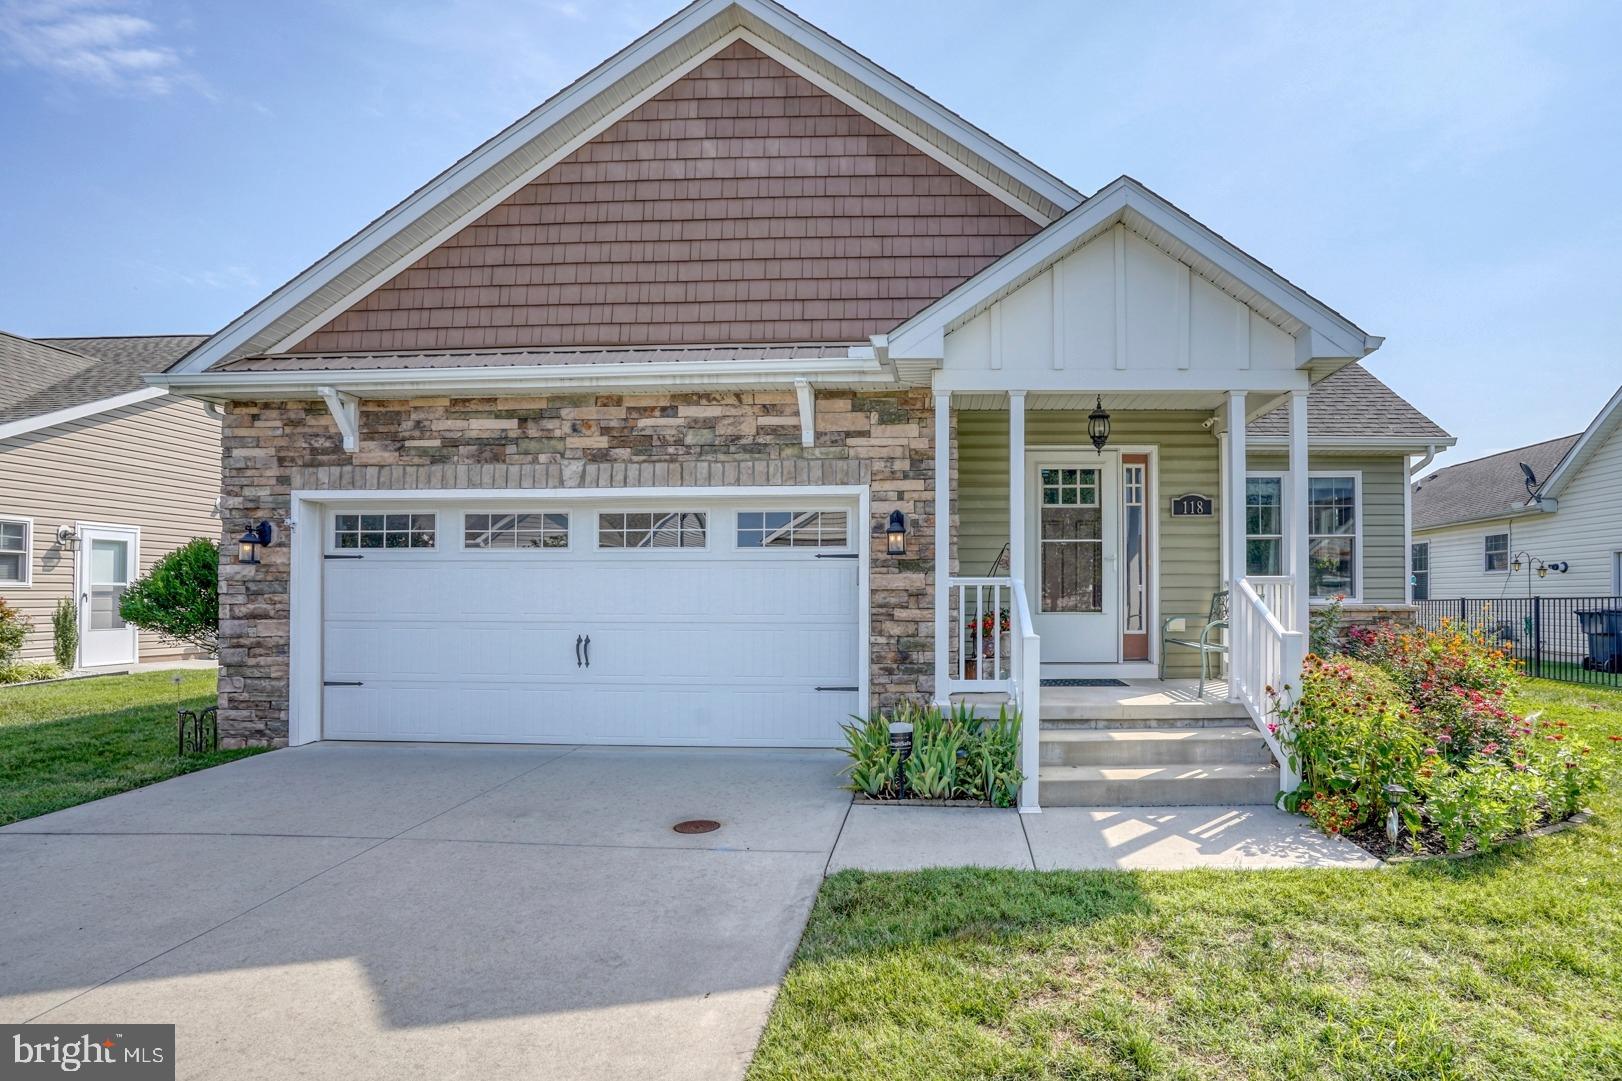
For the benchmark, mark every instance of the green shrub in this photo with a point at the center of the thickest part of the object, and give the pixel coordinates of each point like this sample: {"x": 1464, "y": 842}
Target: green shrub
{"x": 874, "y": 768}
{"x": 14, "y": 628}
{"x": 1349, "y": 735}
{"x": 65, "y": 632}
{"x": 954, "y": 755}
{"x": 27, "y": 671}
{"x": 179, "y": 598}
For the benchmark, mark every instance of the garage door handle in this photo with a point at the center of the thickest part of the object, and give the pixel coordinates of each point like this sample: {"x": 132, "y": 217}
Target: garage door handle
{"x": 577, "y": 651}
{"x": 836, "y": 555}
{"x": 342, "y": 683}
{"x": 834, "y": 688}
{"x": 588, "y": 651}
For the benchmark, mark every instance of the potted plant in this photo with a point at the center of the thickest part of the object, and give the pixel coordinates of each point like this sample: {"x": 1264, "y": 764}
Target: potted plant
{"x": 991, "y": 626}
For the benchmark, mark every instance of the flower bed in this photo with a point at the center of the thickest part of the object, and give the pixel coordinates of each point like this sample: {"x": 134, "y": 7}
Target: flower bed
{"x": 954, "y": 757}
{"x": 1410, "y": 731}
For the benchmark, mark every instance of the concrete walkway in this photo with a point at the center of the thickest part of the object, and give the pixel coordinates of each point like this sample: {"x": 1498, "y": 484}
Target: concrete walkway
{"x": 408, "y": 911}
{"x": 909, "y": 838}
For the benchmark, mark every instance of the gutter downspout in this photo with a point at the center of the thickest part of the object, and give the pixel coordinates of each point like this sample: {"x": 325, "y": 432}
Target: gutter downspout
{"x": 213, "y": 409}
{"x": 1419, "y": 467}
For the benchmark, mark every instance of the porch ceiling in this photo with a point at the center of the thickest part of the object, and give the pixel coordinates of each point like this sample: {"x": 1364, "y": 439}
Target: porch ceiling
{"x": 1085, "y": 400}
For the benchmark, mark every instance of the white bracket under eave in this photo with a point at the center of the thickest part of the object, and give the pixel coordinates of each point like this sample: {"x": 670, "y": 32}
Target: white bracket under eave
{"x": 808, "y": 412}
{"x": 345, "y": 409}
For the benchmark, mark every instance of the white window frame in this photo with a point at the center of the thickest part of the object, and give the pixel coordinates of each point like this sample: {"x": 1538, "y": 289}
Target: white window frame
{"x": 460, "y": 514}
{"x": 1414, "y": 572}
{"x": 848, "y": 545}
{"x": 694, "y": 507}
{"x": 329, "y": 534}
{"x": 1509, "y": 548}
{"x": 1356, "y": 476}
{"x": 1283, "y": 478}
{"x": 27, "y": 580}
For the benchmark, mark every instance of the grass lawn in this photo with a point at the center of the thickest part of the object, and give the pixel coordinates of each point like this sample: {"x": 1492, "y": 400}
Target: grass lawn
{"x": 1507, "y": 965}
{"x": 78, "y": 740}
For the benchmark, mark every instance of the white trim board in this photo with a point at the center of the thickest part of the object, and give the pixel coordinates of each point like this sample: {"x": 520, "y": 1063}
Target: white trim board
{"x": 580, "y": 96}
{"x": 79, "y": 412}
{"x": 308, "y": 546}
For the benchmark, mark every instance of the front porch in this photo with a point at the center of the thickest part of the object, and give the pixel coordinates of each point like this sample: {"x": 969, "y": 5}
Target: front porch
{"x": 1064, "y": 569}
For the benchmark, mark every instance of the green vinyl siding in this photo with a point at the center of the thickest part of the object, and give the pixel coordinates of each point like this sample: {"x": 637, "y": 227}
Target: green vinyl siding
{"x": 1188, "y": 462}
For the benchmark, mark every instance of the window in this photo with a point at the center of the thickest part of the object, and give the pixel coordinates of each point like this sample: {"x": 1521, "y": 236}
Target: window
{"x": 14, "y": 541}
{"x": 1133, "y": 530}
{"x": 1264, "y": 525}
{"x": 506, "y": 531}
{"x": 383, "y": 531}
{"x": 659, "y": 529}
{"x": 1332, "y": 537}
{"x": 1070, "y": 541}
{"x": 792, "y": 529}
{"x": 1419, "y": 564}
{"x": 1496, "y": 553}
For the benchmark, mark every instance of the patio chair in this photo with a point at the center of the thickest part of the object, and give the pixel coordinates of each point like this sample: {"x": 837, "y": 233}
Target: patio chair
{"x": 1215, "y": 620}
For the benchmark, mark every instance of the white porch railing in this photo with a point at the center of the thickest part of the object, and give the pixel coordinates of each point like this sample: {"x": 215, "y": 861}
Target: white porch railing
{"x": 1027, "y": 695}
{"x": 1269, "y": 665}
{"x": 1277, "y": 592}
{"x": 981, "y": 618}
{"x": 995, "y": 648}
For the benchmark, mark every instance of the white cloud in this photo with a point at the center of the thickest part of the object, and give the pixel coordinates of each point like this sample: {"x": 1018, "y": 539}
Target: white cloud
{"x": 97, "y": 42}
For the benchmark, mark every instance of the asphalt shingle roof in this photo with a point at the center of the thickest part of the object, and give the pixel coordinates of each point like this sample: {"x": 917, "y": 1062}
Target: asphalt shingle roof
{"x": 1485, "y": 487}
{"x": 1349, "y": 404}
{"x": 43, "y": 375}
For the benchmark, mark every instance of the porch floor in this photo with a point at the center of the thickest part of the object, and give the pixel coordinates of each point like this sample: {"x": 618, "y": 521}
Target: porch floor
{"x": 1141, "y": 700}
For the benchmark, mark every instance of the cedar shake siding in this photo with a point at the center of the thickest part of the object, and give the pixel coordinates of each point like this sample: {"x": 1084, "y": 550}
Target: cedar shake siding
{"x": 884, "y": 441}
{"x": 740, "y": 204}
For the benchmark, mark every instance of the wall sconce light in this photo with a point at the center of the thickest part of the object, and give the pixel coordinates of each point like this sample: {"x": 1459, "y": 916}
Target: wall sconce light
{"x": 895, "y": 534}
{"x": 252, "y": 539}
{"x": 67, "y": 537}
{"x": 1098, "y": 425}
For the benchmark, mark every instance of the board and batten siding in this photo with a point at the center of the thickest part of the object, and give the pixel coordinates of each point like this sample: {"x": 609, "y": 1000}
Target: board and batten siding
{"x": 154, "y": 466}
{"x": 1189, "y": 460}
{"x": 1586, "y": 532}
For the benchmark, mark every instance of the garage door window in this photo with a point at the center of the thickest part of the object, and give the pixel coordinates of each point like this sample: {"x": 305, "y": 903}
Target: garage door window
{"x": 792, "y": 529}
{"x": 659, "y": 529}
{"x": 509, "y": 531}
{"x": 383, "y": 531}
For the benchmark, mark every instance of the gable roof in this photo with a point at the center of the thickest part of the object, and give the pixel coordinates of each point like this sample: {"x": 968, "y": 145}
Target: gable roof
{"x": 42, "y": 377}
{"x": 1351, "y": 405}
{"x": 1489, "y": 487}
{"x": 1592, "y": 438}
{"x": 510, "y": 159}
{"x": 1319, "y": 330}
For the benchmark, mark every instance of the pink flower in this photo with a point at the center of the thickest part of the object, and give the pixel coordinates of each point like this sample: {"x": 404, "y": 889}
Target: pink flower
{"x": 1491, "y": 748}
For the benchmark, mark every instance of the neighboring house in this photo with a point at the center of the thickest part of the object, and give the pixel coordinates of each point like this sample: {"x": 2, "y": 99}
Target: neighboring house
{"x": 100, "y": 475}
{"x": 636, "y": 424}
{"x": 1558, "y": 502}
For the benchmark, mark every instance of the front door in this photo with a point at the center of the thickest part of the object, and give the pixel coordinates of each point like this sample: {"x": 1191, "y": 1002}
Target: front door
{"x": 1071, "y": 556}
{"x": 107, "y": 557}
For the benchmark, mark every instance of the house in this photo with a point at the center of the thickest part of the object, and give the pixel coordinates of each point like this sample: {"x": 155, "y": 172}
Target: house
{"x": 724, "y": 394}
{"x": 1555, "y": 504}
{"x": 101, "y": 474}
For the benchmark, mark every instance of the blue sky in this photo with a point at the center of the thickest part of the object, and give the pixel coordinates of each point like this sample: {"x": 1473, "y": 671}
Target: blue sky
{"x": 1445, "y": 174}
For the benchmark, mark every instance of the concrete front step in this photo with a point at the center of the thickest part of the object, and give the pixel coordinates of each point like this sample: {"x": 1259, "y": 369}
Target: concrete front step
{"x": 1153, "y": 746}
{"x": 1223, "y": 784}
{"x": 1135, "y": 723}
{"x": 1058, "y": 706}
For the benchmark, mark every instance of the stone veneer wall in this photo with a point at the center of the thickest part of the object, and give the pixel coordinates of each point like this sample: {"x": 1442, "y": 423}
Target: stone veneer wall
{"x": 577, "y": 441}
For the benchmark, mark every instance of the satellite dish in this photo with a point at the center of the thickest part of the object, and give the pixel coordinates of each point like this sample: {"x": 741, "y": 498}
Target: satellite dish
{"x": 1531, "y": 479}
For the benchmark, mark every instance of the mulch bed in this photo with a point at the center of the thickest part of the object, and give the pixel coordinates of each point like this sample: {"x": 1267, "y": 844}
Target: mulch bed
{"x": 1372, "y": 839}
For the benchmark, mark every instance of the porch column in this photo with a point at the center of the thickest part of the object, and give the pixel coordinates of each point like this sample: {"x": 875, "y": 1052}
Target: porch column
{"x": 943, "y": 547}
{"x": 1016, "y": 484}
{"x": 1233, "y": 527}
{"x": 1295, "y": 521}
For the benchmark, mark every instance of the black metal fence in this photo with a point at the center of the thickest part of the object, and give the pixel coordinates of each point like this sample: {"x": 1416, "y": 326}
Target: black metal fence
{"x": 1576, "y": 639}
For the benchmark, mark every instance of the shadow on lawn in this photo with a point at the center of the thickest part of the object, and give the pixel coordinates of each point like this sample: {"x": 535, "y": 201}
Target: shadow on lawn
{"x": 862, "y": 911}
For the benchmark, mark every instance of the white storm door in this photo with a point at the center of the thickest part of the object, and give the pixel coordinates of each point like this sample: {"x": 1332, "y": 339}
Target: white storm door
{"x": 1071, "y": 561}
{"x": 106, "y": 567}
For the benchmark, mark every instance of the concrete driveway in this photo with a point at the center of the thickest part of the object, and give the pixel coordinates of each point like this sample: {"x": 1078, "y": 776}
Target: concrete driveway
{"x": 403, "y": 911}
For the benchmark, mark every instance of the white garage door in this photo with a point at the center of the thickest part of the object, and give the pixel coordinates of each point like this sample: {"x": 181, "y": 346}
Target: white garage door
{"x": 698, "y": 623}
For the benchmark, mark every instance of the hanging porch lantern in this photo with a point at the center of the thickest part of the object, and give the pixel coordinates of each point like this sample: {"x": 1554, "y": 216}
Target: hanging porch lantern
{"x": 1098, "y": 426}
